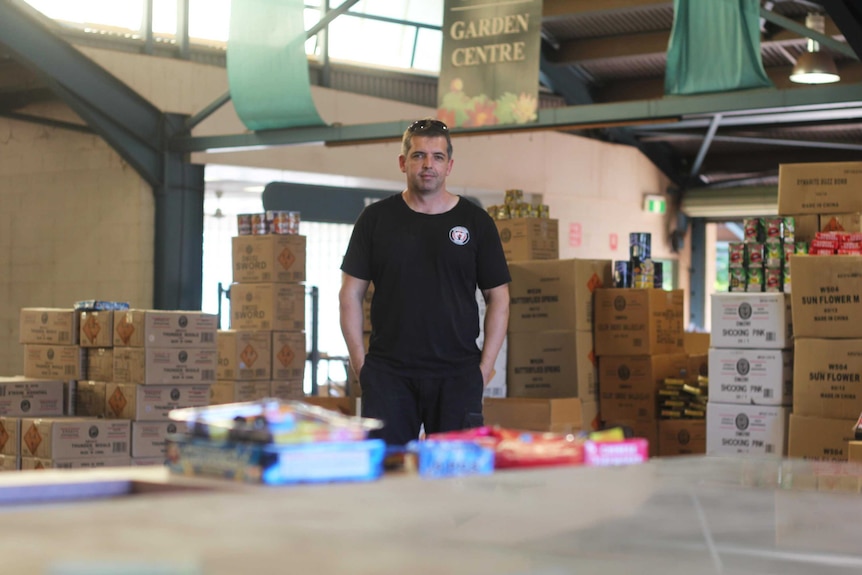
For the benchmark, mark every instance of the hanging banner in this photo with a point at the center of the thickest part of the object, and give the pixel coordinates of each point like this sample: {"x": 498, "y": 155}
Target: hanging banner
{"x": 489, "y": 69}
{"x": 267, "y": 68}
{"x": 714, "y": 47}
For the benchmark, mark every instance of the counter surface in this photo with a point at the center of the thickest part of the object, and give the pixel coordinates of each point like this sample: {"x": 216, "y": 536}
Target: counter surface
{"x": 684, "y": 515}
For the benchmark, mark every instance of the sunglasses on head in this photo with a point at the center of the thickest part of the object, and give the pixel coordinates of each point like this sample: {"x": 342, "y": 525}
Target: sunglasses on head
{"x": 420, "y": 125}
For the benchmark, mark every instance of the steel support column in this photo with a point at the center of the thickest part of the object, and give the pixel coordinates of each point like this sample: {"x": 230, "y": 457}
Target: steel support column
{"x": 697, "y": 273}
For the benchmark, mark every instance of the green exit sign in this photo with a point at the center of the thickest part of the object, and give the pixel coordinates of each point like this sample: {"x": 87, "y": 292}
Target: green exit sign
{"x": 655, "y": 204}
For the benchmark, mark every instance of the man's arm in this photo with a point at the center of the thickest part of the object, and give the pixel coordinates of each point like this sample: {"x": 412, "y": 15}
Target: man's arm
{"x": 496, "y": 324}
{"x": 350, "y": 306}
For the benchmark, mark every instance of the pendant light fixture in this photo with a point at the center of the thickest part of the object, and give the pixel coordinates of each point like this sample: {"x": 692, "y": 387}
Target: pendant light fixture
{"x": 814, "y": 66}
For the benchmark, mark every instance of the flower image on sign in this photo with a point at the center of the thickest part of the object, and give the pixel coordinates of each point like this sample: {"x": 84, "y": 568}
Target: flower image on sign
{"x": 489, "y": 73}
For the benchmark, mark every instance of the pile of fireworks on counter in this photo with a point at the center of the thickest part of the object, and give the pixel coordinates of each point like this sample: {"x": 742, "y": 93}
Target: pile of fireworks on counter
{"x": 836, "y": 243}
{"x": 277, "y": 222}
{"x": 761, "y": 262}
{"x": 514, "y": 207}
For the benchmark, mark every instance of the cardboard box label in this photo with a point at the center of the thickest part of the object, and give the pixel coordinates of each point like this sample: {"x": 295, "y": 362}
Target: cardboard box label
{"x": 746, "y": 429}
{"x": 31, "y": 397}
{"x": 827, "y": 296}
{"x": 529, "y": 238}
{"x": 752, "y": 321}
{"x": 751, "y": 376}
{"x": 97, "y": 328}
{"x": 48, "y": 326}
{"x": 819, "y": 188}
{"x": 269, "y": 258}
{"x": 819, "y": 438}
{"x": 555, "y": 294}
{"x": 638, "y": 321}
{"x": 551, "y": 364}
{"x": 827, "y": 380}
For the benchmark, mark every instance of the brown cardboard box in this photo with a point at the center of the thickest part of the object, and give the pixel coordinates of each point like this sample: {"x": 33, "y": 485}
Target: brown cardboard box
{"x": 529, "y": 238}
{"x": 551, "y": 364}
{"x": 826, "y": 378}
{"x": 223, "y": 392}
{"x": 289, "y": 389}
{"x": 827, "y": 296}
{"x": 681, "y": 437}
{"x": 267, "y": 306}
{"x": 99, "y": 363}
{"x": 48, "y": 326}
{"x": 854, "y": 451}
{"x": 74, "y": 438}
{"x": 819, "y": 188}
{"x": 140, "y": 402}
{"x": 289, "y": 355}
{"x": 53, "y": 361}
{"x": 157, "y": 365}
{"x": 129, "y": 328}
{"x": 36, "y": 463}
{"x": 22, "y": 396}
{"x": 555, "y": 294}
{"x": 841, "y": 222}
{"x": 807, "y": 226}
{"x": 698, "y": 365}
{"x": 638, "y": 321}
{"x": 629, "y": 384}
{"x": 244, "y": 355}
{"x": 10, "y": 436}
{"x": 695, "y": 343}
{"x": 158, "y": 328}
{"x": 560, "y": 415}
{"x": 820, "y": 438}
{"x": 90, "y": 398}
{"x": 268, "y": 258}
{"x": 149, "y": 437}
{"x": 96, "y": 328}
{"x": 10, "y": 463}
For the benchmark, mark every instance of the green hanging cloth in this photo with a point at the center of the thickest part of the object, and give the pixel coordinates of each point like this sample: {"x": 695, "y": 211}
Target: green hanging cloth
{"x": 714, "y": 47}
{"x": 267, "y": 68}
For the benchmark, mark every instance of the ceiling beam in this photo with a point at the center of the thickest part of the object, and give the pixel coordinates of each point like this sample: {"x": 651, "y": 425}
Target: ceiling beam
{"x": 746, "y": 162}
{"x": 649, "y": 88}
{"x": 641, "y": 112}
{"x": 553, "y": 8}
{"x": 611, "y": 47}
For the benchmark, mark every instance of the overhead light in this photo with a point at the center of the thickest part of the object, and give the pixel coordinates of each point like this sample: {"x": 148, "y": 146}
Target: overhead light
{"x": 731, "y": 203}
{"x": 253, "y": 189}
{"x": 814, "y": 66}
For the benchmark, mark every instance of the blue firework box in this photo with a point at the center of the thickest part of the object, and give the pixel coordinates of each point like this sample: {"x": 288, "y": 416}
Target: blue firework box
{"x": 274, "y": 442}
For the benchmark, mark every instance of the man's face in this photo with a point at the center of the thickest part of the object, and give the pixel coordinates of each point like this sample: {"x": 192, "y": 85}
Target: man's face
{"x": 426, "y": 164}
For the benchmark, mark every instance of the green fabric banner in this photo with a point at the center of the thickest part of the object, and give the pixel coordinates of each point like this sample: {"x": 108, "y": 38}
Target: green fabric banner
{"x": 715, "y": 47}
{"x": 489, "y": 69}
{"x": 267, "y": 67}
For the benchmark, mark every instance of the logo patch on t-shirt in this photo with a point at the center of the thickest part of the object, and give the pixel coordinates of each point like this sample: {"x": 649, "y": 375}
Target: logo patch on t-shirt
{"x": 459, "y": 235}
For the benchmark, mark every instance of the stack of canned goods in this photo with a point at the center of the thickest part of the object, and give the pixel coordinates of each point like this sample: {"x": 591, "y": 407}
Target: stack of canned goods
{"x": 277, "y": 222}
{"x": 514, "y": 206}
{"x": 761, "y": 262}
{"x": 640, "y": 271}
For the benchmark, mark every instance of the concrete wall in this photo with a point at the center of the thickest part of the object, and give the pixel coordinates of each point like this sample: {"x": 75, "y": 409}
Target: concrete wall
{"x": 76, "y": 222}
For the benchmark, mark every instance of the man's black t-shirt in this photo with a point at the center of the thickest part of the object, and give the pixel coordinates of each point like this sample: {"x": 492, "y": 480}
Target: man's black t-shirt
{"x": 425, "y": 269}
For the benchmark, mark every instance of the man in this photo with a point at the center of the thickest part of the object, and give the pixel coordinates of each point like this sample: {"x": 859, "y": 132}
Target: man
{"x": 426, "y": 251}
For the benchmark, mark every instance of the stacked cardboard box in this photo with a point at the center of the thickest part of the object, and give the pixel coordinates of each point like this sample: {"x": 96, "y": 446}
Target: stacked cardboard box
{"x": 267, "y": 297}
{"x": 639, "y": 343}
{"x": 827, "y": 320}
{"x": 550, "y": 362}
{"x": 162, "y": 360}
{"x": 827, "y": 315}
{"x": 750, "y": 384}
{"x": 685, "y": 434}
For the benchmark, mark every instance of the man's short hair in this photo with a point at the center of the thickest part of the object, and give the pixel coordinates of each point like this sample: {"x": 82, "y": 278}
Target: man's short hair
{"x": 427, "y": 128}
